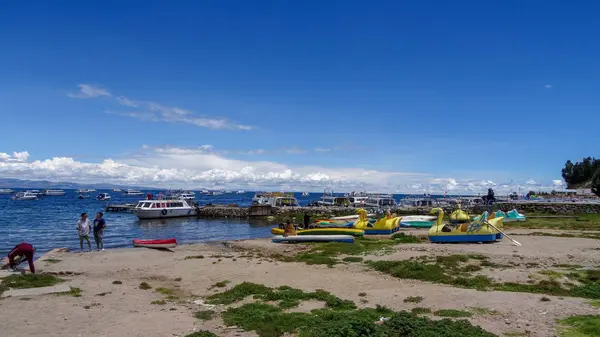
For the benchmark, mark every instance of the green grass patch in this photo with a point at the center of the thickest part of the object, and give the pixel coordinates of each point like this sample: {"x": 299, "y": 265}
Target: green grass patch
{"x": 583, "y": 221}
{"x": 221, "y": 284}
{"x": 271, "y": 321}
{"x": 288, "y": 297}
{"x": 420, "y": 311}
{"x": 52, "y": 261}
{"x": 408, "y": 238}
{"x": 580, "y": 326}
{"x": 144, "y": 286}
{"x": 159, "y": 302}
{"x": 514, "y": 334}
{"x": 194, "y": 257}
{"x": 353, "y": 259}
{"x": 451, "y": 270}
{"x": 484, "y": 311}
{"x": 205, "y": 315}
{"x": 165, "y": 291}
{"x": 568, "y": 266}
{"x": 595, "y": 303}
{"x": 452, "y": 313}
{"x": 326, "y": 253}
{"x": 551, "y": 274}
{"x": 413, "y": 299}
{"x": 202, "y": 333}
{"x": 73, "y": 292}
{"x": 29, "y": 281}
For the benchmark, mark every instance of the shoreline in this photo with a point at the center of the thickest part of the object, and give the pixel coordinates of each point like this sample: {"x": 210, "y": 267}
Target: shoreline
{"x": 190, "y": 272}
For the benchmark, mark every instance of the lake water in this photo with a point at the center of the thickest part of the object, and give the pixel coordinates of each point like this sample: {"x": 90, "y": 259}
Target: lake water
{"x": 50, "y": 222}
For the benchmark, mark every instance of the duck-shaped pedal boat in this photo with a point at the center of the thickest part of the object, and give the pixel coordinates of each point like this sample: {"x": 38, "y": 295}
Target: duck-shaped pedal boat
{"x": 476, "y": 231}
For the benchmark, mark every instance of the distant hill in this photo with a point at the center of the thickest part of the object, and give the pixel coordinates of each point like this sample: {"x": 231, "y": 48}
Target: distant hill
{"x": 45, "y": 184}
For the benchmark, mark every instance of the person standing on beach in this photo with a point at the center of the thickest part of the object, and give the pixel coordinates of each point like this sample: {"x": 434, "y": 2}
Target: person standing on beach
{"x": 99, "y": 226}
{"x": 83, "y": 229}
{"x": 19, "y": 253}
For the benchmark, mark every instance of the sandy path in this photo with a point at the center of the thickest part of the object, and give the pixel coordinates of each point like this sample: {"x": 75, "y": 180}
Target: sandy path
{"x": 126, "y": 310}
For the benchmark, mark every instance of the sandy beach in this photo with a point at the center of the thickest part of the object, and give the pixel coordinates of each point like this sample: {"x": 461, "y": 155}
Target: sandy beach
{"x": 121, "y": 308}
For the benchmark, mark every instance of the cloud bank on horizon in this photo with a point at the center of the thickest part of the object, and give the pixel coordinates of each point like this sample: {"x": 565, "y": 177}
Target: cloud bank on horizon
{"x": 203, "y": 167}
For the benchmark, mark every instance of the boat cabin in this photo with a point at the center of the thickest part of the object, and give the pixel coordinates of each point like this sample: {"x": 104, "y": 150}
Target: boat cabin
{"x": 380, "y": 201}
{"x": 162, "y": 204}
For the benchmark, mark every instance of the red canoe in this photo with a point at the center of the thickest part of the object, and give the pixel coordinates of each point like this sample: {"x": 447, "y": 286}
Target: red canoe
{"x": 168, "y": 243}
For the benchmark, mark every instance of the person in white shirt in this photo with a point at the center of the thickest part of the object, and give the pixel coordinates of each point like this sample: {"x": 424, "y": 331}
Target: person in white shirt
{"x": 83, "y": 229}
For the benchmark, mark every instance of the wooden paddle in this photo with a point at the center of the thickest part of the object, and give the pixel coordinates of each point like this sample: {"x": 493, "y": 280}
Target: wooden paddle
{"x": 517, "y": 243}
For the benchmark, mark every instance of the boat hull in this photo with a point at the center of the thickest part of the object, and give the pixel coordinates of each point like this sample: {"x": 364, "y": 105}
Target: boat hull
{"x": 160, "y": 214}
{"x": 373, "y": 231}
{"x": 168, "y": 243}
{"x": 467, "y": 233}
{"x": 323, "y": 231}
{"x": 314, "y": 238}
{"x": 416, "y": 224}
{"x": 25, "y": 198}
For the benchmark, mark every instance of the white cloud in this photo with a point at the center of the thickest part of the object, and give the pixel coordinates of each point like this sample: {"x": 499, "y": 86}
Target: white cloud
{"x": 323, "y": 150}
{"x": 202, "y": 166}
{"x": 548, "y": 86}
{"x": 89, "y": 91}
{"x": 151, "y": 111}
{"x": 531, "y": 182}
{"x": 127, "y": 102}
{"x": 16, "y": 157}
{"x": 557, "y": 182}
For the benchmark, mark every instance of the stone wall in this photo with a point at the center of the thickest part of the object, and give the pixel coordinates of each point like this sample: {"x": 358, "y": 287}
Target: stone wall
{"x": 548, "y": 207}
{"x": 281, "y": 212}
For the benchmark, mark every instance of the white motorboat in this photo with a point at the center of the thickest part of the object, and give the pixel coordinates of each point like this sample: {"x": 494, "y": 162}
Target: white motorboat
{"x": 187, "y": 196}
{"x": 380, "y": 201}
{"x": 103, "y": 197}
{"x": 117, "y": 190}
{"x": 92, "y": 190}
{"x": 6, "y": 191}
{"x": 36, "y": 192}
{"x": 159, "y": 209}
{"x": 240, "y": 192}
{"x": 54, "y": 193}
{"x": 132, "y": 193}
{"x": 25, "y": 196}
{"x": 305, "y": 194}
{"x": 83, "y": 196}
{"x": 358, "y": 199}
{"x": 276, "y": 199}
{"x": 82, "y": 190}
{"x": 329, "y": 199}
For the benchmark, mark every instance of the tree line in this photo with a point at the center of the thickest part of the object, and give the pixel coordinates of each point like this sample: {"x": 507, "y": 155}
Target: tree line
{"x": 588, "y": 170}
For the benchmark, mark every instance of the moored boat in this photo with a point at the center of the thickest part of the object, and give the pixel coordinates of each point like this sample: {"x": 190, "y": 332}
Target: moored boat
{"x": 103, "y": 197}
{"x": 314, "y": 238}
{"x": 160, "y": 209}
{"x": 25, "y": 196}
{"x": 162, "y": 244}
{"x": 6, "y": 191}
{"x": 323, "y": 231}
{"x": 54, "y": 193}
{"x": 417, "y": 221}
{"x": 132, "y": 193}
{"x": 467, "y": 232}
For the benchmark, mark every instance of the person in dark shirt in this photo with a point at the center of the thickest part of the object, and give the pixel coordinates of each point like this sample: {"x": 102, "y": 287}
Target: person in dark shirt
{"x": 99, "y": 226}
{"x": 22, "y": 251}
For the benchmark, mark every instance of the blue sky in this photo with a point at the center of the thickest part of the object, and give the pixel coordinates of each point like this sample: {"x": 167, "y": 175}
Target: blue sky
{"x": 415, "y": 93}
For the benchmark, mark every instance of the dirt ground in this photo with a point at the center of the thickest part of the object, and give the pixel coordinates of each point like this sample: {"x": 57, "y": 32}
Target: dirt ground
{"x": 107, "y": 309}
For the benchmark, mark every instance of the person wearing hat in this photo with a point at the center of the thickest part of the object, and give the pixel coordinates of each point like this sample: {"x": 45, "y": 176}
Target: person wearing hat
{"x": 83, "y": 229}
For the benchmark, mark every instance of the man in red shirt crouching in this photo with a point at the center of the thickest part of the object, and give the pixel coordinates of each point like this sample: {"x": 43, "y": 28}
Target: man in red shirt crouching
{"x": 23, "y": 251}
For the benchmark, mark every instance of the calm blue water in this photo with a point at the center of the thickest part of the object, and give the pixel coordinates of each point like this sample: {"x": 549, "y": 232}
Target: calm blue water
{"x": 50, "y": 222}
